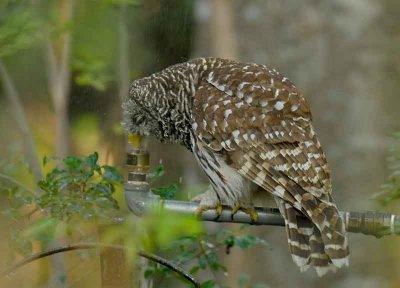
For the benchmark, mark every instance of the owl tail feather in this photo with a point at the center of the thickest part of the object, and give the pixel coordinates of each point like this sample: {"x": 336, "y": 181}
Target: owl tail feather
{"x": 306, "y": 243}
{"x": 316, "y": 232}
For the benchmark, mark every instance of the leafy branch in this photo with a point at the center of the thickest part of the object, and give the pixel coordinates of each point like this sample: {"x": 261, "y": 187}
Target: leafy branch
{"x": 79, "y": 186}
{"x": 81, "y": 246}
{"x": 201, "y": 253}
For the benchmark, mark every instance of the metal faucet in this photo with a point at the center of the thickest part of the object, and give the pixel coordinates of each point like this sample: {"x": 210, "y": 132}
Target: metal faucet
{"x": 139, "y": 198}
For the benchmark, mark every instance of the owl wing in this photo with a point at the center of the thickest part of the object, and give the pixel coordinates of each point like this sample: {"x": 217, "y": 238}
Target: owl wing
{"x": 261, "y": 113}
{"x": 261, "y": 125}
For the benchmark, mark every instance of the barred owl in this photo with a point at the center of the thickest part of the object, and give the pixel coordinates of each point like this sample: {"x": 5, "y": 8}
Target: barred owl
{"x": 249, "y": 128}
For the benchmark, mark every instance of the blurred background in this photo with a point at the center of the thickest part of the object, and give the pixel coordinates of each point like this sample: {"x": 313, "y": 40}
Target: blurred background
{"x": 66, "y": 65}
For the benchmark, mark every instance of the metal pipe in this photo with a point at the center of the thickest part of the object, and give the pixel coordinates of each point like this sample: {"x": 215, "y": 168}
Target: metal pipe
{"x": 139, "y": 198}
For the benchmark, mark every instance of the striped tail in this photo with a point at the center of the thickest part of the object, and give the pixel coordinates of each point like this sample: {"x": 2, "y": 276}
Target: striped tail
{"x": 308, "y": 247}
{"x": 316, "y": 233}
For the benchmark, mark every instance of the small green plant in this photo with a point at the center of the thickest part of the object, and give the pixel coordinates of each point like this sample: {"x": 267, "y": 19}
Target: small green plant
{"x": 390, "y": 191}
{"x": 82, "y": 190}
{"x": 79, "y": 186}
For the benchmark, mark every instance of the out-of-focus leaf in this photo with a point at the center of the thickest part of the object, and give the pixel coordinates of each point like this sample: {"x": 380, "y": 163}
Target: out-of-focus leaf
{"x": 121, "y": 2}
{"x": 208, "y": 284}
{"x": 167, "y": 192}
{"x": 249, "y": 240}
{"x": 19, "y": 31}
{"x": 21, "y": 244}
{"x": 72, "y": 162}
{"x": 242, "y": 279}
{"x": 149, "y": 272}
{"x": 157, "y": 173}
{"x": 112, "y": 174}
{"x": 91, "y": 71}
{"x": 169, "y": 227}
{"x": 194, "y": 270}
{"x": 42, "y": 230}
{"x": 47, "y": 159}
{"x": 92, "y": 160}
{"x": 259, "y": 285}
{"x": 202, "y": 262}
{"x": 390, "y": 191}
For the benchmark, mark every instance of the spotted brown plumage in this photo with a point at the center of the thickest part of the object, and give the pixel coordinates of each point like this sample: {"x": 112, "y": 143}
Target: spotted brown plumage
{"x": 249, "y": 128}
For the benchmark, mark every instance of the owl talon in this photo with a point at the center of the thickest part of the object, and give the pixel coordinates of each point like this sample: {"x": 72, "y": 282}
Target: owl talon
{"x": 250, "y": 211}
{"x": 202, "y": 208}
{"x": 218, "y": 210}
{"x": 235, "y": 209}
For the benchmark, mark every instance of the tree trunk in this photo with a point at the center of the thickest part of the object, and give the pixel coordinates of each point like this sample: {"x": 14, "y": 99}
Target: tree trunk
{"x": 20, "y": 117}
{"x": 59, "y": 77}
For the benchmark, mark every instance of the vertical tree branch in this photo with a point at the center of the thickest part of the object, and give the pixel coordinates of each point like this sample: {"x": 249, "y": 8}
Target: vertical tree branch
{"x": 223, "y": 30}
{"x": 123, "y": 77}
{"x": 58, "y": 54}
{"x": 19, "y": 114}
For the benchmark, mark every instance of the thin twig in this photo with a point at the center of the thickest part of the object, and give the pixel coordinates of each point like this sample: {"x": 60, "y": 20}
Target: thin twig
{"x": 16, "y": 182}
{"x": 82, "y": 246}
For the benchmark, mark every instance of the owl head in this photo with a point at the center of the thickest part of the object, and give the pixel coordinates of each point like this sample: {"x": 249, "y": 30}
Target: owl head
{"x": 146, "y": 111}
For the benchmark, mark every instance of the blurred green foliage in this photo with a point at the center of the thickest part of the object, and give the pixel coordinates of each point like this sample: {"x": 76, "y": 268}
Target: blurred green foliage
{"x": 78, "y": 190}
{"x": 165, "y": 192}
{"x": 201, "y": 252}
{"x": 18, "y": 31}
{"x": 390, "y": 191}
{"x": 19, "y": 28}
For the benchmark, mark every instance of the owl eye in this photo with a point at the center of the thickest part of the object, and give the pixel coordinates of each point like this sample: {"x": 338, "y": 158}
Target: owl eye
{"x": 139, "y": 119}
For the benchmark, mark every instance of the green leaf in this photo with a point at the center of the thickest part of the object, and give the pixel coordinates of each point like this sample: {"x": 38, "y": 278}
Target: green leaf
{"x": 72, "y": 162}
{"x": 47, "y": 159}
{"x": 167, "y": 192}
{"x": 202, "y": 262}
{"x": 260, "y": 285}
{"x": 20, "y": 31}
{"x": 229, "y": 242}
{"x": 92, "y": 159}
{"x": 62, "y": 278}
{"x": 208, "y": 284}
{"x": 42, "y": 230}
{"x": 149, "y": 272}
{"x": 157, "y": 173}
{"x": 248, "y": 240}
{"x": 21, "y": 244}
{"x": 121, "y": 2}
{"x": 112, "y": 174}
{"x": 242, "y": 279}
{"x": 91, "y": 70}
{"x": 194, "y": 270}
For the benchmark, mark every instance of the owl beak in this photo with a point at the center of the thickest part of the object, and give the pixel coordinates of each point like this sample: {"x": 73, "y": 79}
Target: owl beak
{"x": 135, "y": 140}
